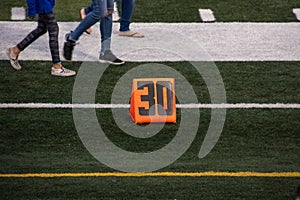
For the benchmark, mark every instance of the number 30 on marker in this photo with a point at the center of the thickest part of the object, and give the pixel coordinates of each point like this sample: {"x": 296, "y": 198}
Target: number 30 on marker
{"x": 153, "y": 100}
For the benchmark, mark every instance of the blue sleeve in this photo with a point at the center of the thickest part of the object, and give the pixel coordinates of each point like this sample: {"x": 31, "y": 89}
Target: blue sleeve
{"x": 53, "y": 3}
{"x": 31, "y": 8}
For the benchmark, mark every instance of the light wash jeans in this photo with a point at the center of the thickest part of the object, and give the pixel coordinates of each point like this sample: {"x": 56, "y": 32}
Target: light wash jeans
{"x": 94, "y": 13}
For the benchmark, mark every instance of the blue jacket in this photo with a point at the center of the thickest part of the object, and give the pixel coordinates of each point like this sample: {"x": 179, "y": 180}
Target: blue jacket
{"x": 40, "y": 7}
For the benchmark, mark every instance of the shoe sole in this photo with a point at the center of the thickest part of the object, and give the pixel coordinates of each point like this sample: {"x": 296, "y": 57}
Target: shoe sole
{"x": 11, "y": 60}
{"x": 62, "y": 75}
{"x": 110, "y": 62}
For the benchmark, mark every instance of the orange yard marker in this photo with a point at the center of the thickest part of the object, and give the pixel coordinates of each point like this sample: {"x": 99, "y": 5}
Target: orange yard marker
{"x": 153, "y": 100}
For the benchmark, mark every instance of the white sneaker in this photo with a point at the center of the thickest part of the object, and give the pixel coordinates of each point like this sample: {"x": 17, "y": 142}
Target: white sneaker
{"x": 13, "y": 59}
{"x": 62, "y": 72}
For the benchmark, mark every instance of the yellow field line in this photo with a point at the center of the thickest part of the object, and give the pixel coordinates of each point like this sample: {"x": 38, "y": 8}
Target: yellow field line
{"x": 155, "y": 174}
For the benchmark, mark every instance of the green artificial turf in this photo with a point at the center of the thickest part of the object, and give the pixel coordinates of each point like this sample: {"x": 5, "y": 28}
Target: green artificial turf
{"x": 255, "y": 140}
{"x": 149, "y": 188}
{"x": 245, "y": 82}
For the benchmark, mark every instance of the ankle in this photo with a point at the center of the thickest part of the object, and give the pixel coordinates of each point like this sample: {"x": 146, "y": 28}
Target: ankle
{"x": 57, "y": 66}
{"x": 82, "y": 12}
{"x": 15, "y": 50}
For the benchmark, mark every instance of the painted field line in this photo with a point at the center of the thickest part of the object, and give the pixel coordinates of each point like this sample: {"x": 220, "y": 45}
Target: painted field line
{"x": 296, "y": 11}
{"x": 155, "y": 174}
{"x": 184, "y": 106}
{"x": 207, "y": 15}
{"x": 233, "y": 41}
{"x": 18, "y": 13}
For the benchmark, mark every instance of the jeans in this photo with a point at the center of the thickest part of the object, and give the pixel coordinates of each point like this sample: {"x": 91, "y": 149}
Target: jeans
{"x": 94, "y": 13}
{"x": 126, "y": 13}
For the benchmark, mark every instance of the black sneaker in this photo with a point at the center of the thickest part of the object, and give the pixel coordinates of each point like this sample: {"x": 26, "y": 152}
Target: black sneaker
{"x": 109, "y": 57}
{"x": 68, "y": 47}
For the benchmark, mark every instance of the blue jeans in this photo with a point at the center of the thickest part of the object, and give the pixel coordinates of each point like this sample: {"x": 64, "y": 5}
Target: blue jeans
{"x": 94, "y": 13}
{"x": 126, "y": 13}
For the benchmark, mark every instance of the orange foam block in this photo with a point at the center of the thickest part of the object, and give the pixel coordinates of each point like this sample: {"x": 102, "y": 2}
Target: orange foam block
{"x": 153, "y": 100}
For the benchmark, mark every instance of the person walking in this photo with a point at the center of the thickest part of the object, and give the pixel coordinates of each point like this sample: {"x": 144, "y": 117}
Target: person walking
{"x": 46, "y": 23}
{"x": 99, "y": 11}
{"x": 127, "y": 7}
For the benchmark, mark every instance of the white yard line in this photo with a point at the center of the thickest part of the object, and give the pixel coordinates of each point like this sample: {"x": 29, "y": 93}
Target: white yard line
{"x": 296, "y": 11}
{"x": 241, "y": 105}
{"x": 18, "y": 13}
{"x": 207, "y": 15}
{"x": 171, "y": 42}
{"x": 184, "y": 106}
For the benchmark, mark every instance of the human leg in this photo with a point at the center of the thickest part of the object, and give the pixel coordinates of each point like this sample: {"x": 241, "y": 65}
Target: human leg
{"x": 83, "y": 13}
{"x": 126, "y": 13}
{"x": 35, "y": 34}
{"x": 99, "y": 8}
{"x": 53, "y": 31}
{"x": 13, "y": 52}
{"x": 106, "y": 55}
{"x": 106, "y": 31}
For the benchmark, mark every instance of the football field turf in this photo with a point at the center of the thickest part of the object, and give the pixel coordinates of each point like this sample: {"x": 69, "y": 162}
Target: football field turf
{"x": 256, "y": 156}
{"x": 253, "y": 140}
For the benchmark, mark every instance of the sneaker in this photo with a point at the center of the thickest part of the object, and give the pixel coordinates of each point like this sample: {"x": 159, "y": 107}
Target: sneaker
{"x": 62, "y": 72}
{"x": 68, "y": 47}
{"x": 13, "y": 59}
{"x": 109, "y": 57}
